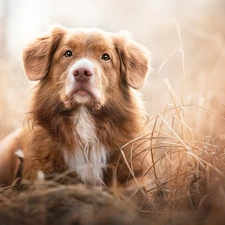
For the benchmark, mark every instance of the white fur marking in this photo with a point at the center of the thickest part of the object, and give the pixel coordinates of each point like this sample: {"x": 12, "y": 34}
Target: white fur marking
{"x": 82, "y": 99}
{"x": 88, "y": 158}
{"x": 79, "y": 64}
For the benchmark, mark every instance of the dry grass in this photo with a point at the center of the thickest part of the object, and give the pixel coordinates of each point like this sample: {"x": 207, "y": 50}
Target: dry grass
{"x": 186, "y": 143}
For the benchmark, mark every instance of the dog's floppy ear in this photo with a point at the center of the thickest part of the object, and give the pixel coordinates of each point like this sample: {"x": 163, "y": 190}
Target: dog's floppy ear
{"x": 134, "y": 60}
{"x": 37, "y": 55}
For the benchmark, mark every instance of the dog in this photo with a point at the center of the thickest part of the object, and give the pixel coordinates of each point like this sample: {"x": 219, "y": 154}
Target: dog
{"x": 86, "y": 113}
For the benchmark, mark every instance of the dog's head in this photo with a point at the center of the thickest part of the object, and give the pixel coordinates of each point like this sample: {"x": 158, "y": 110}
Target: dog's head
{"x": 86, "y": 66}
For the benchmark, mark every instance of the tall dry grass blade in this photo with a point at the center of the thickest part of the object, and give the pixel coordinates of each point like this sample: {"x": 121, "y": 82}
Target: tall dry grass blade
{"x": 188, "y": 127}
{"x": 180, "y": 110}
{"x": 182, "y": 53}
{"x": 175, "y": 134}
{"x": 151, "y": 150}
{"x": 165, "y": 61}
{"x": 132, "y": 172}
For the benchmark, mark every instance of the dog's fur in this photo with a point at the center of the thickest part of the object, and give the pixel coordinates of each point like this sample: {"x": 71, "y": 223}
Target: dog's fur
{"x": 9, "y": 162}
{"x": 81, "y": 123}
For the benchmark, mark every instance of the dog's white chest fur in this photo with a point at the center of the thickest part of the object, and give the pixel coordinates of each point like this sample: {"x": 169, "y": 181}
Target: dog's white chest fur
{"x": 89, "y": 157}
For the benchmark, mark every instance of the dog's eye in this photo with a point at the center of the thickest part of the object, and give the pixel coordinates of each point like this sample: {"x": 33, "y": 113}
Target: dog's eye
{"x": 105, "y": 57}
{"x": 68, "y": 54}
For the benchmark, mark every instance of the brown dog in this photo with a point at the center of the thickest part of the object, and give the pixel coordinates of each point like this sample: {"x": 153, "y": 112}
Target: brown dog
{"x": 85, "y": 107}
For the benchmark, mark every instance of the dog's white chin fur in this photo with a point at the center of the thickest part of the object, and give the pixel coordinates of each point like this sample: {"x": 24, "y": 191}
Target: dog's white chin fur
{"x": 89, "y": 158}
{"x": 82, "y": 99}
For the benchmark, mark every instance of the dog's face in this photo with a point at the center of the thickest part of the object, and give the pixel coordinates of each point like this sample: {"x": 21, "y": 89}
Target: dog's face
{"x": 86, "y": 66}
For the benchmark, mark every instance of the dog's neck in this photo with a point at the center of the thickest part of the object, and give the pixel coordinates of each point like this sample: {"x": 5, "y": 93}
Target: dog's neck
{"x": 89, "y": 156}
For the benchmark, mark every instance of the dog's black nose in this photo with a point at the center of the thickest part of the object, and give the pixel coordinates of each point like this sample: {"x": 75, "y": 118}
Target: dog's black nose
{"x": 82, "y": 74}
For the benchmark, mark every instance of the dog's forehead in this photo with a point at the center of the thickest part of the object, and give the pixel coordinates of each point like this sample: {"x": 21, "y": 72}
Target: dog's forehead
{"x": 88, "y": 36}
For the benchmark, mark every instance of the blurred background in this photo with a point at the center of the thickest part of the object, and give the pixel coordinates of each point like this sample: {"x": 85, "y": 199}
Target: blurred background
{"x": 186, "y": 39}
